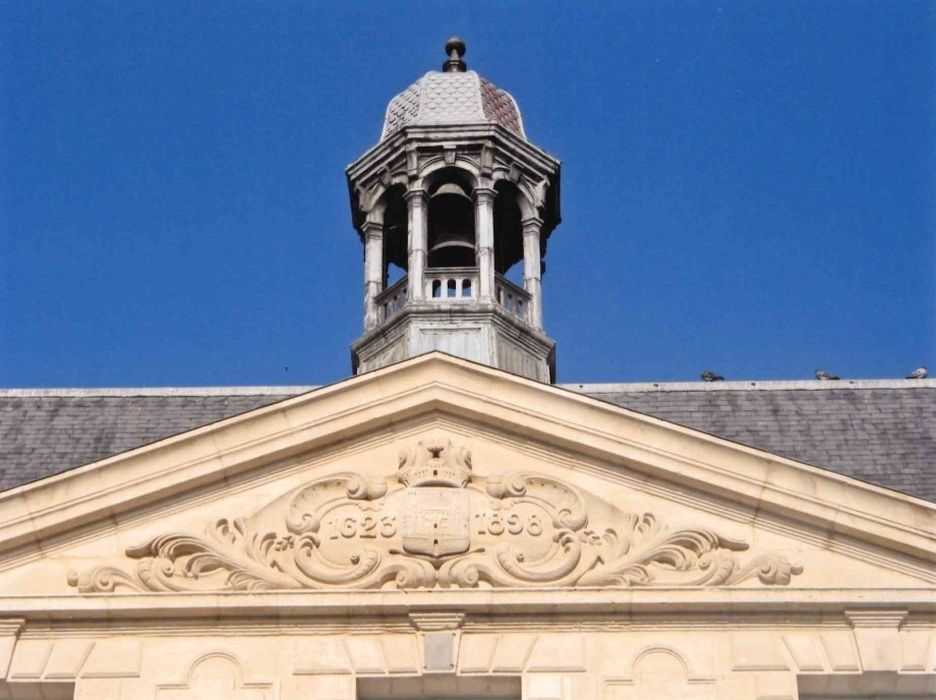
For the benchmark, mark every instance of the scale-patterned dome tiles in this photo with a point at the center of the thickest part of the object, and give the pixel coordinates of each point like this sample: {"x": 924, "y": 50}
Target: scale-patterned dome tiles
{"x": 500, "y": 106}
{"x": 402, "y": 109}
{"x": 452, "y": 98}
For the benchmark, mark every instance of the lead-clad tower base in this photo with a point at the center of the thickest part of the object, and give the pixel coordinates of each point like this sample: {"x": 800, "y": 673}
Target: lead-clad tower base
{"x": 481, "y": 332}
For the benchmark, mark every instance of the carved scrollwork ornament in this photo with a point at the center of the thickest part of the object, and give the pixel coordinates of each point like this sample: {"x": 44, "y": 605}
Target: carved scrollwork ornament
{"x": 434, "y": 524}
{"x": 539, "y": 193}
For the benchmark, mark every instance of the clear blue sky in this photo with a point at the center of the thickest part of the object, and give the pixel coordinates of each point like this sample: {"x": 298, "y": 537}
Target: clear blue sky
{"x": 748, "y": 186}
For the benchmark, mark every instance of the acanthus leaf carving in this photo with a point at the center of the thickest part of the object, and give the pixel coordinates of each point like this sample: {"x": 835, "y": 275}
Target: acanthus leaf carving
{"x": 434, "y": 524}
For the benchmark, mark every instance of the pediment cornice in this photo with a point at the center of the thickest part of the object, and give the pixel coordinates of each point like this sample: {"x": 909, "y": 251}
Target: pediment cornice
{"x": 437, "y": 384}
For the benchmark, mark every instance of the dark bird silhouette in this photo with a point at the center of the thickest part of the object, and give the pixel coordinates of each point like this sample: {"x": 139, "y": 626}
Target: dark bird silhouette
{"x": 711, "y": 377}
{"x": 824, "y": 376}
{"x": 918, "y": 373}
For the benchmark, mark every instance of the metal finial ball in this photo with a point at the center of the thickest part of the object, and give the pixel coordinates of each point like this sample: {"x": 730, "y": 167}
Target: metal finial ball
{"x": 455, "y": 44}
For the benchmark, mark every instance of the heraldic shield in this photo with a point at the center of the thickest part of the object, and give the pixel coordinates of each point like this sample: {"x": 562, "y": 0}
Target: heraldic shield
{"x": 435, "y": 521}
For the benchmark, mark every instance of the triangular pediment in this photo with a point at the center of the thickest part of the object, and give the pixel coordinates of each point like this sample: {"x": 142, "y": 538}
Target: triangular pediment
{"x": 438, "y": 473}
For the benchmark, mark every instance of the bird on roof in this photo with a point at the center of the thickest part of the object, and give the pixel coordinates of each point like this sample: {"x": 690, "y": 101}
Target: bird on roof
{"x": 824, "y": 376}
{"x": 711, "y": 377}
{"x": 918, "y": 373}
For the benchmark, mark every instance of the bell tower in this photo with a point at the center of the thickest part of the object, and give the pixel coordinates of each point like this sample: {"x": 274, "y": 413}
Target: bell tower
{"x": 452, "y": 202}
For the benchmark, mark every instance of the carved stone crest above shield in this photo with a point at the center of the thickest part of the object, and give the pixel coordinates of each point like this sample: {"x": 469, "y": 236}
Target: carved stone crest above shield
{"x": 435, "y": 524}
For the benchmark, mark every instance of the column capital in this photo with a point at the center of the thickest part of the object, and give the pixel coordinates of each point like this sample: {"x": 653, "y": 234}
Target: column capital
{"x": 371, "y": 229}
{"x": 417, "y": 193}
{"x": 532, "y": 224}
{"x": 482, "y": 193}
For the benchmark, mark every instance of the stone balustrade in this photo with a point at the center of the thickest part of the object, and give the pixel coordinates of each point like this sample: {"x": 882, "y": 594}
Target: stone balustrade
{"x": 392, "y": 299}
{"x": 445, "y": 285}
{"x": 451, "y": 284}
{"x": 512, "y": 298}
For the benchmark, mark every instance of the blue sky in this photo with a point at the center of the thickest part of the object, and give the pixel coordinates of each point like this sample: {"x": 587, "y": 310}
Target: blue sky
{"x": 748, "y": 186}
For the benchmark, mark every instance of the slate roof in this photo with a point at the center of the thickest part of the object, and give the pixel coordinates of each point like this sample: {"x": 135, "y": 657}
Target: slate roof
{"x": 882, "y": 432}
{"x": 43, "y": 432}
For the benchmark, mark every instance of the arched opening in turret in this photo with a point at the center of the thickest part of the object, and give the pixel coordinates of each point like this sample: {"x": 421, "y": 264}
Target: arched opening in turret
{"x": 451, "y": 221}
{"x": 508, "y": 232}
{"x": 395, "y": 236}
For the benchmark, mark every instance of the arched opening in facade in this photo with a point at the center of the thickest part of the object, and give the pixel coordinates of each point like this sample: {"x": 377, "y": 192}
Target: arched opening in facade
{"x": 508, "y": 232}
{"x": 451, "y": 225}
{"x": 395, "y": 236}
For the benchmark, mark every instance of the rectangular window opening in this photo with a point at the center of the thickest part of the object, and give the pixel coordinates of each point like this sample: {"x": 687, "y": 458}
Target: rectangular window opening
{"x": 446, "y": 687}
{"x": 870, "y": 685}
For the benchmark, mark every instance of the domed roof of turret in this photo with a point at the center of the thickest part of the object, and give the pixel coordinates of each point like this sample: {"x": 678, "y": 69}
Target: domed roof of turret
{"x": 454, "y": 95}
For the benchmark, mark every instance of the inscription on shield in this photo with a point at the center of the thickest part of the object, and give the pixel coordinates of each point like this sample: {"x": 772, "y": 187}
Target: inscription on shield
{"x": 435, "y": 521}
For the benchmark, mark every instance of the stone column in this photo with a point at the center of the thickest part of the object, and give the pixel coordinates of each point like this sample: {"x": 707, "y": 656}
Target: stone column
{"x": 484, "y": 240}
{"x": 373, "y": 271}
{"x": 416, "y": 200}
{"x": 532, "y": 269}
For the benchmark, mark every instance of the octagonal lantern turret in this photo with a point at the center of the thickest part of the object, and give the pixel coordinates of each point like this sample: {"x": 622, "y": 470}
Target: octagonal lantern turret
{"x": 454, "y": 207}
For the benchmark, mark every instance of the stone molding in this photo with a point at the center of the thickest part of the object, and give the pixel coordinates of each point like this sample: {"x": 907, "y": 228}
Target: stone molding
{"x": 433, "y": 524}
{"x": 436, "y": 621}
{"x": 585, "y": 609}
{"x": 887, "y": 619}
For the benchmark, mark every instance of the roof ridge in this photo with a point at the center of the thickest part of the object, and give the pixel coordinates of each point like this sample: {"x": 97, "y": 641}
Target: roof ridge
{"x": 753, "y": 385}
{"x": 160, "y": 391}
{"x": 584, "y": 388}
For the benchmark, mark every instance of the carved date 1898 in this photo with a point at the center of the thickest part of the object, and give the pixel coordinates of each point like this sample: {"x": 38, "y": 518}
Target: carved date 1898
{"x": 514, "y": 524}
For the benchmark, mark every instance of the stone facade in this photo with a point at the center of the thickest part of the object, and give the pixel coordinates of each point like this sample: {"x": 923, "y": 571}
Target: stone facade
{"x": 441, "y": 529}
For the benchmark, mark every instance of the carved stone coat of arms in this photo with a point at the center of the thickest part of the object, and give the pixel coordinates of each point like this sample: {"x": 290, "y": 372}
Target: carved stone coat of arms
{"x": 434, "y": 524}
